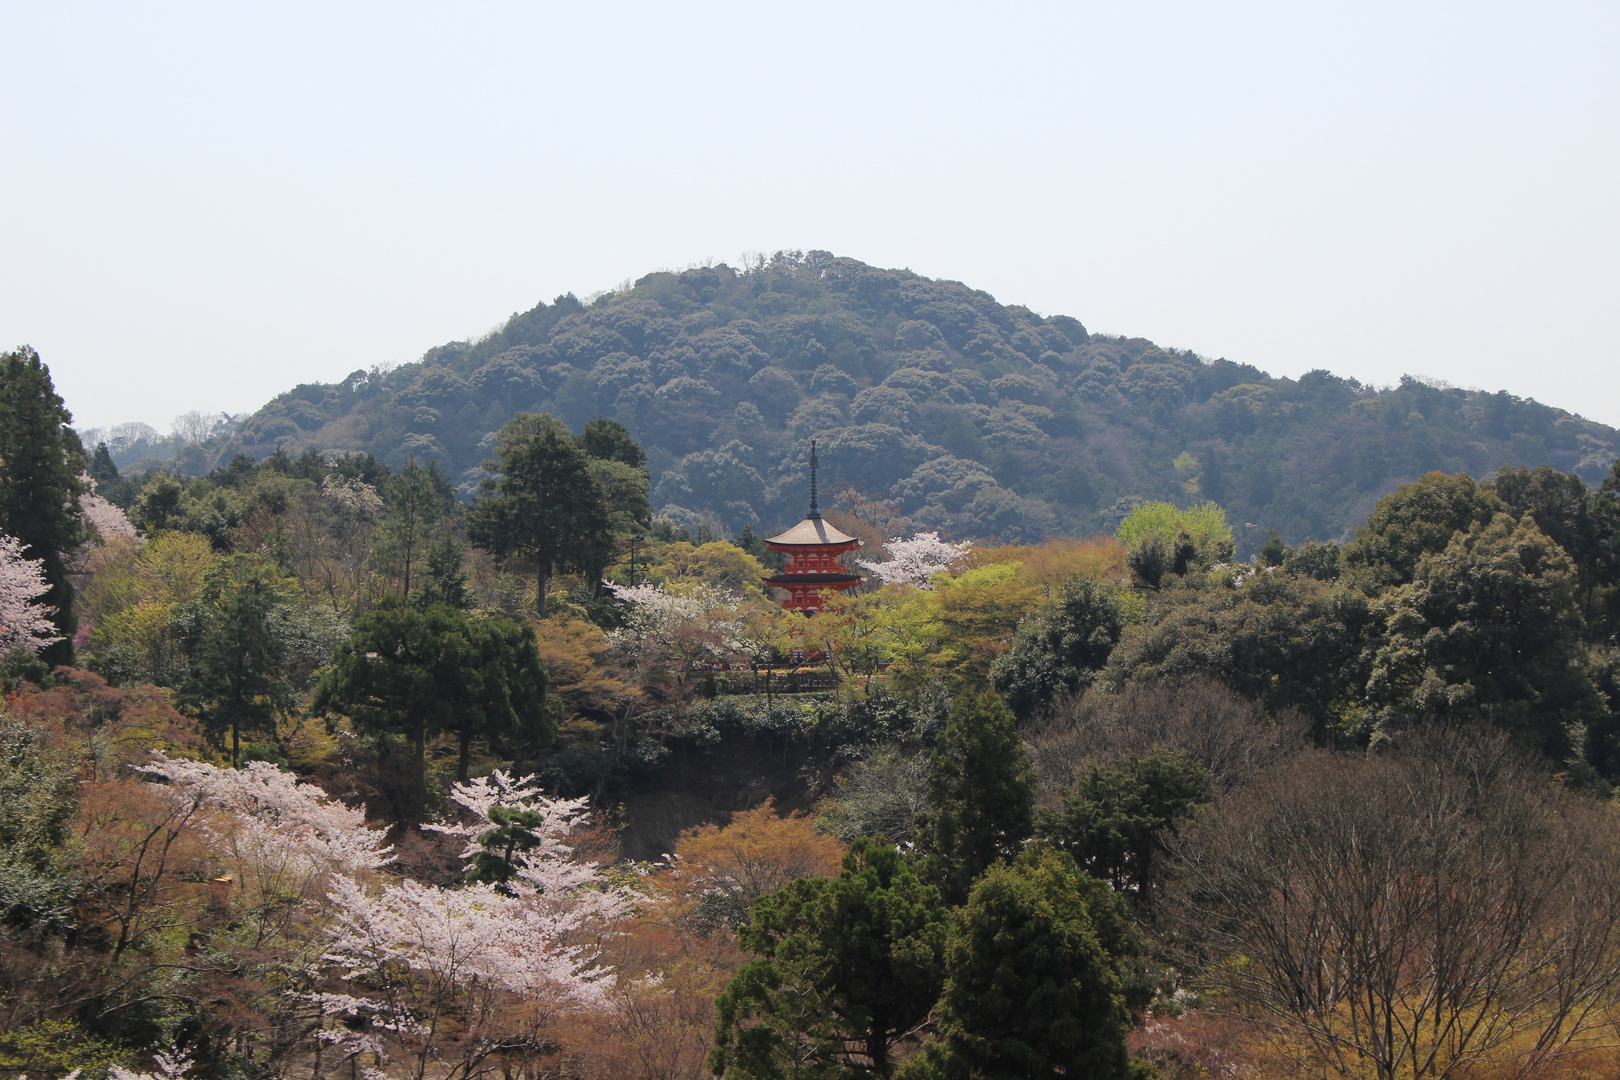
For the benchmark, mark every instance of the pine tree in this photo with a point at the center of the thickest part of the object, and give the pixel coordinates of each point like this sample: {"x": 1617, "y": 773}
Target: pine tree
{"x": 236, "y": 638}
{"x": 1037, "y": 972}
{"x": 41, "y": 465}
{"x": 417, "y": 501}
{"x": 419, "y": 673}
{"x": 847, "y": 966}
{"x": 548, "y": 504}
{"x": 981, "y": 795}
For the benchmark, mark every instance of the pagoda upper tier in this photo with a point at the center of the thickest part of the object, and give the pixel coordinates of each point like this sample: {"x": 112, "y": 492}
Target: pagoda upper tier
{"x": 812, "y": 548}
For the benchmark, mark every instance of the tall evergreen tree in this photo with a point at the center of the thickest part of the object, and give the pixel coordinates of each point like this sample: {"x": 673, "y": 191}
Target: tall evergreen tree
{"x": 417, "y": 500}
{"x": 41, "y": 466}
{"x": 1114, "y": 816}
{"x": 847, "y": 966}
{"x": 547, "y": 505}
{"x": 1038, "y": 974}
{"x": 418, "y": 673}
{"x": 235, "y": 635}
{"x": 981, "y": 795}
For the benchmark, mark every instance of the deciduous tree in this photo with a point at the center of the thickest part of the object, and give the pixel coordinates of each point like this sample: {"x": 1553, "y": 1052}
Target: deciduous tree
{"x": 1058, "y": 651}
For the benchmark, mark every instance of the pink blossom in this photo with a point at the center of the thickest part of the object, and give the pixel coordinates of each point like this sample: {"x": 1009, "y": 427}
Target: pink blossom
{"x": 278, "y": 830}
{"x": 917, "y": 560}
{"x": 23, "y": 620}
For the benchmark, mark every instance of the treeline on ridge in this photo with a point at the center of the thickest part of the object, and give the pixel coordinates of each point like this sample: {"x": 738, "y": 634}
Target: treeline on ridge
{"x": 978, "y": 418}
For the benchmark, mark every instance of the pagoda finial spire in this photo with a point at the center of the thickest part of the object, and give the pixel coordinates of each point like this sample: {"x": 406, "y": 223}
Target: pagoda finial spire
{"x": 814, "y": 513}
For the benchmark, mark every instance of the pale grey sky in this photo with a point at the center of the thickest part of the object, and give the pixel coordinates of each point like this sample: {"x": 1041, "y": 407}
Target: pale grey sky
{"x": 204, "y": 204}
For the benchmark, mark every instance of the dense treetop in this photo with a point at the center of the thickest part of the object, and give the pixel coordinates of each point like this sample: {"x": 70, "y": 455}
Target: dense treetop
{"x": 980, "y": 418}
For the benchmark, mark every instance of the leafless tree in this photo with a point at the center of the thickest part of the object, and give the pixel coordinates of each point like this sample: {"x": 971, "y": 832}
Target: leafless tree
{"x": 1202, "y": 719}
{"x": 1407, "y": 915}
{"x": 195, "y": 427}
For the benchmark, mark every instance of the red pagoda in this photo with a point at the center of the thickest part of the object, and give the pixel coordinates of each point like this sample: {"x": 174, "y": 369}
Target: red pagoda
{"x": 812, "y": 548}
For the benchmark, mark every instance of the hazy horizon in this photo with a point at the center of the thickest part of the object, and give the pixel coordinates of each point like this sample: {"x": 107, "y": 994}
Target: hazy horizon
{"x": 207, "y": 206}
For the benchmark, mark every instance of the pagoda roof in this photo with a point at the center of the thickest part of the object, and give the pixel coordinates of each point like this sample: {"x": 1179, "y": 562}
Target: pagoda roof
{"x": 811, "y": 579}
{"x": 812, "y": 532}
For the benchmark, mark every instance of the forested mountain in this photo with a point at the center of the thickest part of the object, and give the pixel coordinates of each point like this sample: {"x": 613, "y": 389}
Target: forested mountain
{"x": 982, "y": 419}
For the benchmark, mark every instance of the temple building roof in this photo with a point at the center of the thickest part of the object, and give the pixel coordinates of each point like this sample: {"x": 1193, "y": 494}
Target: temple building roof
{"x": 812, "y": 531}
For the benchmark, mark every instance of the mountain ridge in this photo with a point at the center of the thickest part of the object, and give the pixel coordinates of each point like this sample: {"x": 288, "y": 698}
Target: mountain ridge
{"x": 978, "y": 418}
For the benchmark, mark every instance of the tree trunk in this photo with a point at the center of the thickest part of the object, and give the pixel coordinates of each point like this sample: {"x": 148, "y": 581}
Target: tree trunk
{"x": 236, "y": 743}
{"x": 540, "y": 577}
{"x": 419, "y": 780}
{"x": 466, "y": 744}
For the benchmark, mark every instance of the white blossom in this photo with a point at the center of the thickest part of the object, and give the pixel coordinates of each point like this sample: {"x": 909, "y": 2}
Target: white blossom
{"x": 917, "y": 560}
{"x": 531, "y": 936}
{"x": 275, "y": 825}
{"x": 549, "y": 866}
{"x": 23, "y": 619}
{"x": 108, "y": 519}
{"x": 695, "y": 622}
{"x": 168, "y": 1064}
{"x": 356, "y": 496}
{"x": 451, "y": 939}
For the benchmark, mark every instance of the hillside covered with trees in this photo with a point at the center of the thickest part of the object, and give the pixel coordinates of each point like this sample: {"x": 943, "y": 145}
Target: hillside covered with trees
{"x": 977, "y": 418}
{"x": 310, "y": 768}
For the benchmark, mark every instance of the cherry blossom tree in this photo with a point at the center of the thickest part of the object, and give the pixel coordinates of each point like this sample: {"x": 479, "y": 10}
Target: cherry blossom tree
{"x": 449, "y": 978}
{"x": 24, "y": 621}
{"x": 280, "y": 832}
{"x": 917, "y": 560}
{"x": 108, "y": 520}
{"x": 170, "y": 1064}
{"x": 677, "y": 630}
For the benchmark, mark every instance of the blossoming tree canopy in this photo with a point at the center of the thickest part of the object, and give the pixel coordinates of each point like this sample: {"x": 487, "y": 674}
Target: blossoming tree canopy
{"x": 274, "y": 823}
{"x": 413, "y": 952}
{"x": 917, "y": 560}
{"x": 523, "y": 935}
{"x": 24, "y": 619}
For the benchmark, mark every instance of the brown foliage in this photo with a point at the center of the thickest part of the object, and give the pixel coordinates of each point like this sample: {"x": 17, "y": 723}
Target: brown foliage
{"x": 658, "y": 1021}
{"x": 1202, "y": 719}
{"x": 1408, "y": 915}
{"x": 111, "y": 726}
{"x": 755, "y": 855}
{"x": 573, "y": 650}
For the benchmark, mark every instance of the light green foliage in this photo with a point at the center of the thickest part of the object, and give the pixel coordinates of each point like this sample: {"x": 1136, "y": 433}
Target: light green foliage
{"x": 981, "y": 795}
{"x": 1163, "y": 540}
{"x": 846, "y": 966}
{"x": 1037, "y": 977}
{"x": 1113, "y": 818}
{"x": 54, "y": 1048}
